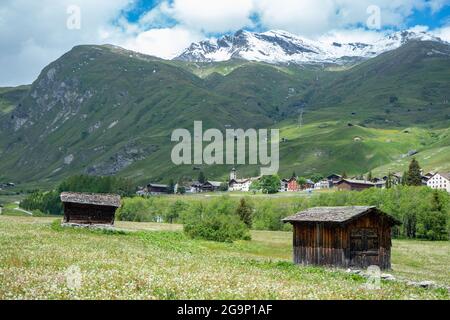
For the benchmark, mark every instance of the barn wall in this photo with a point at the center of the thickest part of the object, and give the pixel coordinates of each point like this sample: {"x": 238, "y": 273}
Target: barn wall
{"x": 383, "y": 229}
{"x": 88, "y": 214}
{"x": 329, "y": 244}
{"x": 319, "y": 244}
{"x": 352, "y": 186}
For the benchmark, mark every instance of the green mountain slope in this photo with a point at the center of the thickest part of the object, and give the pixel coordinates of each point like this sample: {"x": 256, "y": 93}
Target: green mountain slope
{"x": 404, "y": 87}
{"x": 10, "y": 97}
{"x": 104, "y": 110}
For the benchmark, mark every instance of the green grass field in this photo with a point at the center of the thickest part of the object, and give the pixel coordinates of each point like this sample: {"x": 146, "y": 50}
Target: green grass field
{"x": 157, "y": 261}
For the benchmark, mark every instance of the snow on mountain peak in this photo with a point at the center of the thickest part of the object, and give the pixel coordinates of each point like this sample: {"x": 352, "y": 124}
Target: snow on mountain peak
{"x": 278, "y": 46}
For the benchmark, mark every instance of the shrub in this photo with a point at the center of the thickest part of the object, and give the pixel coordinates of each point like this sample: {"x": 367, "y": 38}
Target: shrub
{"x": 151, "y": 209}
{"x": 136, "y": 209}
{"x": 215, "y": 221}
{"x": 268, "y": 216}
{"x": 221, "y": 228}
{"x": 174, "y": 211}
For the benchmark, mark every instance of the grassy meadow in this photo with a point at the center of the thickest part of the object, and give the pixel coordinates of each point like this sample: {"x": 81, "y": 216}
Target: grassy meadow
{"x": 157, "y": 261}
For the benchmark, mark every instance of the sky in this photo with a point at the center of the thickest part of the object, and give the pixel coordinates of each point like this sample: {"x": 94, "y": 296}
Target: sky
{"x": 35, "y": 33}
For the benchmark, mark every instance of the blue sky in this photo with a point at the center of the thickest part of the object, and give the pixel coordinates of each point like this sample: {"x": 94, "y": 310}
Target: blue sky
{"x": 431, "y": 19}
{"x": 34, "y": 33}
{"x": 424, "y": 16}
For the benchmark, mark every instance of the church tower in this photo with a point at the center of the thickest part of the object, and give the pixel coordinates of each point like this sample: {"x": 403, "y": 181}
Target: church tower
{"x": 233, "y": 175}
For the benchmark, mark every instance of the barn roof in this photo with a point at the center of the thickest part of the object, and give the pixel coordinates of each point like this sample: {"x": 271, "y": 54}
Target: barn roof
{"x": 157, "y": 185}
{"x": 334, "y": 214}
{"x": 98, "y": 199}
{"x": 214, "y": 183}
{"x": 445, "y": 175}
{"x": 354, "y": 181}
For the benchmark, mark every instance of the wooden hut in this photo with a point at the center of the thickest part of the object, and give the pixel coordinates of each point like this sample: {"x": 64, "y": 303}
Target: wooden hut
{"x": 89, "y": 208}
{"x": 342, "y": 236}
{"x": 357, "y": 185}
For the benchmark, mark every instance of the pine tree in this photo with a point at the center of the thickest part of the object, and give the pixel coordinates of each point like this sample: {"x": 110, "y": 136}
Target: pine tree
{"x": 171, "y": 187}
{"x": 369, "y": 176}
{"x": 344, "y": 175}
{"x": 389, "y": 182}
{"x": 414, "y": 177}
{"x": 436, "y": 201}
{"x": 201, "y": 177}
{"x": 405, "y": 178}
{"x": 245, "y": 212}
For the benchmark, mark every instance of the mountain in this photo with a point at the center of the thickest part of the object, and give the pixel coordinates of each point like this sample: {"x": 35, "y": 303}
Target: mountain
{"x": 282, "y": 47}
{"x": 10, "y": 97}
{"x": 103, "y": 110}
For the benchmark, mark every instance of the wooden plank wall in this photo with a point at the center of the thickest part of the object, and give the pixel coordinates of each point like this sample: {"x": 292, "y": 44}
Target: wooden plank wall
{"x": 88, "y": 214}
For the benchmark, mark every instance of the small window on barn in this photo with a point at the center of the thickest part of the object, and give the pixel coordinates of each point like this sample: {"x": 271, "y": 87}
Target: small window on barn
{"x": 364, "y": 240}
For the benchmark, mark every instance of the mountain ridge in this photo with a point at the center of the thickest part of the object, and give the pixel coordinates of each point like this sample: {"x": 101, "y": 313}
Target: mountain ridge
{"x": 278, "y": 46}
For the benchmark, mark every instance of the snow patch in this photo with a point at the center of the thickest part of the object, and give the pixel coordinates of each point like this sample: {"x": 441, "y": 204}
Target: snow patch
{"x": 69, "y": 159}
{"x": 113, "y": 124}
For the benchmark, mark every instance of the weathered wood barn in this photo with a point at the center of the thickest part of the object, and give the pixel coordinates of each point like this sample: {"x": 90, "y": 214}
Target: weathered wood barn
{"x": 342, "y": 236}
{"x": 156, "y": 189}
{"x": 89, "y": 208}
{"x": 358, "y": 185}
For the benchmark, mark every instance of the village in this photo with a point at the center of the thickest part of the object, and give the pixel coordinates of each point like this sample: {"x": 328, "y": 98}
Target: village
{"x": 434, "y": 180}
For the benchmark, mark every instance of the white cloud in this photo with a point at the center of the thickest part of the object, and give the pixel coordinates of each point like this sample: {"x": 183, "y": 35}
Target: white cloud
{"x": 33, "y": 33}
{"x": 212, "y": 15}
{"x": 165, "y": 42}
{"x": 314, "y": 17}
{"x": 305, "y": 17}
{"x": 436, "y": 5}
{"x": 443, "y": 33}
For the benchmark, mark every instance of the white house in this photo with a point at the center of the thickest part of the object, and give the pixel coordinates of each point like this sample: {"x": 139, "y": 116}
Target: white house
{"x": 236, "y": 184}
{"x": 323, "y": 184}
{"x": 239, "y": 185}
{"x": 440, "y": 181}
{"x": 284, "y": 183}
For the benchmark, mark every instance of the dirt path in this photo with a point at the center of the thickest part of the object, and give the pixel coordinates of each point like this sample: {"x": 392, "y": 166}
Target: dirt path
{"x": 24, "y": 211}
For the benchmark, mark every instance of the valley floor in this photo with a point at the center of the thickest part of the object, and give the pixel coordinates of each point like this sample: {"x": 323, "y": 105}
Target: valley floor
{"x": 157, "y": 261}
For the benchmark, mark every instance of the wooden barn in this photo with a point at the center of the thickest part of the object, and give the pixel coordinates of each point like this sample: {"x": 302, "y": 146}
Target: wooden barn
{"x": 342, "y": 236}
{"x": 89, "y": 208}
{"x": 358, "y": 185}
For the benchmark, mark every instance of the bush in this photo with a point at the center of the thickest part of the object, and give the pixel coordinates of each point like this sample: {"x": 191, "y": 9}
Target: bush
{"x": 268, "y": 216}
{"x": 215, "y": 221}
{"x": 174, "y": 211}
{"x": 140, "y": 209}
{"x": 221, "y": 228}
